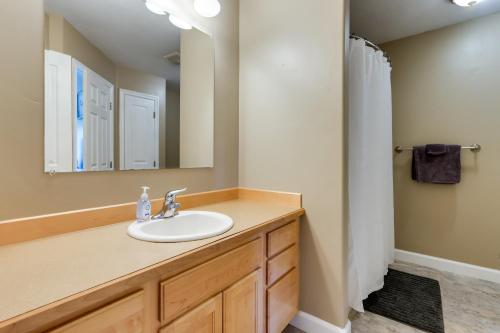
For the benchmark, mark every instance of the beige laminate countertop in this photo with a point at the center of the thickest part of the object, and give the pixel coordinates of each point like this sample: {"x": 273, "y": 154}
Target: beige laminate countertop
{"x": 36, "y": 273}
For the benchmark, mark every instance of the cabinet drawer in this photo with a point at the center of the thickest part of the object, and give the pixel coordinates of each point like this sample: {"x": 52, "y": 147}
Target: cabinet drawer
{"x": 282, "y": 302}
{"x": 205, "y": 318}
{"x": 125, "y": 315}
{"x": 281, "y": 264}
{"x": 185, "y": 291}
{"x": 281, "y": 238}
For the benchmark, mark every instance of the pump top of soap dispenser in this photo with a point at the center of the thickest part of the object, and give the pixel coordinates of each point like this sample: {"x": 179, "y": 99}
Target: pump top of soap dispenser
{"x": 144, "y": 195}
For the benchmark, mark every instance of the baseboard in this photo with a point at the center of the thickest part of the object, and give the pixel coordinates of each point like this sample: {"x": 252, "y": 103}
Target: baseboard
{"x": 447, "y": 265}
{"x": 311, "y": 324}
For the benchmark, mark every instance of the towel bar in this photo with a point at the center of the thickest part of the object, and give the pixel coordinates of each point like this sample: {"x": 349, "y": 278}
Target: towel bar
{"x": 475, "y": 148}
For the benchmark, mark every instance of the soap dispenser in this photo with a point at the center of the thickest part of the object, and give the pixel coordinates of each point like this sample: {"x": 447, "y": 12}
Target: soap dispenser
{"x": 143, "y": 212}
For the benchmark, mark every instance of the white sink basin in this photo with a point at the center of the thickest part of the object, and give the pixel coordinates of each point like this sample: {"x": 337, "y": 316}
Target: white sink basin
{"x": 187, "y": 226}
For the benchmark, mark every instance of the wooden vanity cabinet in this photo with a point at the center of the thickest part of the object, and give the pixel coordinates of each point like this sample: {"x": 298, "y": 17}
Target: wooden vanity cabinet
{"x": 236, "y": 275}
{"x": 258, "y": 281}
{"x": 240, "y": 306}
{"x": 282, "y": 276}
{"x": 249, "y": 284}
{"x": 243, "y": 305}
{"x": 283, "y": 302}
{"x": 185, "y": 291}
{"x": 206, "y": 318}
{"x": 124, "y": 316}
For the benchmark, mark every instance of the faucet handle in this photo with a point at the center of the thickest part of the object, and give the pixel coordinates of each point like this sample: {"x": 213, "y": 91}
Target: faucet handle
{"x": 172, "y": 194}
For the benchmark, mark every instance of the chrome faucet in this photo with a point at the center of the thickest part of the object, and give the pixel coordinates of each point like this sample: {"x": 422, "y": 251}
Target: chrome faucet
{"x": 170, "y": 207}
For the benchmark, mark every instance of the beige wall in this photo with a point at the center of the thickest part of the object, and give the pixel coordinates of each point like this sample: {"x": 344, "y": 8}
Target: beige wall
{"x": 54, "y": 32}
{"x": 292, "y": 130}
{"x": 196, "y": 99}
{"x": 63, "y": 37}
{"x": 137, "y": 81}
{"x": 446, "y": 90}
{"x": 172, "y": 127}
{"x": 46, "y": 32}
{"x": 28, "y": 191}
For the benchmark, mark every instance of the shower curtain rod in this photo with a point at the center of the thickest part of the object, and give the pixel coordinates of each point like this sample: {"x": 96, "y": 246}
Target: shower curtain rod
{"x": 475, "y": 148}
{"x": 372, "y": 45}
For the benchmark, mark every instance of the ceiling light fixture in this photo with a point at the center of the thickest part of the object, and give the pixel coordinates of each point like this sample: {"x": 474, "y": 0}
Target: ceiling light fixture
{"x": 466, "y": 3}
{"x": 154, "y": 7}
{"x": 207, "y": 8}
{"x": 179, "y": 23}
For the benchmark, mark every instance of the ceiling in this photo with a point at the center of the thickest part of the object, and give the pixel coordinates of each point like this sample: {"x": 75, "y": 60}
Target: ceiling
{"x": 125, "y": 31}
{"x": 382, "y": 21}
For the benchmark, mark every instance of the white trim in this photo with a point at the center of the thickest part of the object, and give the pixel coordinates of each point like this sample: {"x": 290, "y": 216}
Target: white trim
{"x": 310, "y": 324}
{"x": 451, "y": 266}
{"x": 156, "y": 99}
{"x": 58, "y": 144}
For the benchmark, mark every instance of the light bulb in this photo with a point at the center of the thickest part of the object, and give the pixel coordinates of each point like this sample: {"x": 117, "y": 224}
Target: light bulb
{"x": 154, "y": 8}
{"x": 466, "y": 3}
{"x": 207, "y": 8}
{"x": 179, "y": 23}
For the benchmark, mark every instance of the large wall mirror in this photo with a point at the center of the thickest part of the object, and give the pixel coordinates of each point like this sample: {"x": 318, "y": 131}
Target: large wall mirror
{"x": 125, "y": 89}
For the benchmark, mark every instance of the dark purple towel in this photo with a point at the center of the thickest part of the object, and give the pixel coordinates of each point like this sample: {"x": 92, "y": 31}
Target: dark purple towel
{"x": 438, "y": 164}
{"x": 435, "y": 149}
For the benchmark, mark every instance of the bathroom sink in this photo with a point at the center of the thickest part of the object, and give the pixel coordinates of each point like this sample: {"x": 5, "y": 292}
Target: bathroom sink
{"x": 187, "y": 226}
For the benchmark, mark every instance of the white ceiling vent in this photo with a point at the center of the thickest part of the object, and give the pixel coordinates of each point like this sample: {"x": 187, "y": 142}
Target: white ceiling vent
{"x": 173, "y": 57}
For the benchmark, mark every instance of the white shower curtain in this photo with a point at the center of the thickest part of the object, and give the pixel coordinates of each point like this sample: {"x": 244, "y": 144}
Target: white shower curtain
{"x": 371, "y": 220}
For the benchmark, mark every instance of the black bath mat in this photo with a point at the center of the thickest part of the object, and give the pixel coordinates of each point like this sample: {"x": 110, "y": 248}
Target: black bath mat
{"x": 409, "y": 299}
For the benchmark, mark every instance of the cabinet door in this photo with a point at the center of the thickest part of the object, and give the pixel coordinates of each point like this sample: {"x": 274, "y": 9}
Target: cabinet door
{"x": 183, "y": 292}
{"x": 58, "y": 121}
{"x": 243, "y": 305}
{"x": 283, "y": 302}
{"x": 206, "y": 318}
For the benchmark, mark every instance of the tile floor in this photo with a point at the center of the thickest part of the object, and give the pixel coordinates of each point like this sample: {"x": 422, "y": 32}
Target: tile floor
{"x": 469, "y": 306}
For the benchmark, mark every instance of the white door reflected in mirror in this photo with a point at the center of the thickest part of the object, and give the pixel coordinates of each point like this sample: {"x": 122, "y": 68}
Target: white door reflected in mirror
{"x": 98, "y": 118}
{"x": 139, "y": 130}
